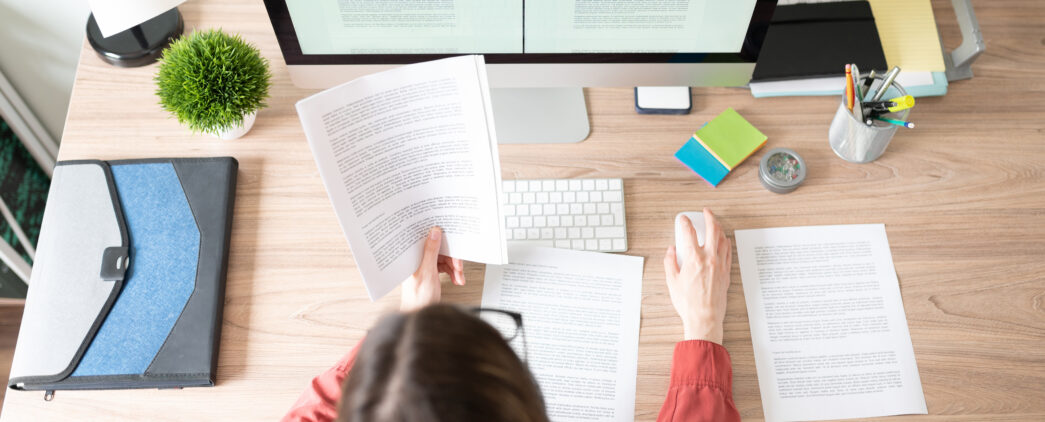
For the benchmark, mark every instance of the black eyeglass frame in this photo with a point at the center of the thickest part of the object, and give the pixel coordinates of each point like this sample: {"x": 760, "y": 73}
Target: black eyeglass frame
{"x": 519, "y": 327}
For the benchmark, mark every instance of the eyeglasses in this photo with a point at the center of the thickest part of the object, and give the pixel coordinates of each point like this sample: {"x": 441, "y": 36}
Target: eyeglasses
{"x": 509, "y": 324}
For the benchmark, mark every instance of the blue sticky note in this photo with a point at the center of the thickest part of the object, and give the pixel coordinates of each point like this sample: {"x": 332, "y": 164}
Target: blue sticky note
{"x": 694, "y": 156}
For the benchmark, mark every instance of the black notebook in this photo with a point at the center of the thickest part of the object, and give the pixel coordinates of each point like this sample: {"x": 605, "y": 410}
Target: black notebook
{"x": 816, "y": 40}
{"x": 129, "y": 278}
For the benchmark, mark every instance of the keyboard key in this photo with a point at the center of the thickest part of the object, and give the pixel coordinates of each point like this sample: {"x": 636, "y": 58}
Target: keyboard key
{"x": 561, "y": 185}
{"x": 555, "y": 197}
{"x": 522, "y": 210}
{"x": 575, "y": 184}
{"x": 536, "y": 209}
{"x": 580, "y": 220}
{"x": 612, "y": 196}
{"x": 509, "y": 210}
{"x": 526, "y": 222}
{"x": 531, "y": 242}
{"x": 591, "y": 245}
{"x": 540, "y": 221}
{"x": 619, "y": 245}
{"x": 609, "y": 232}
{"x": 615, "y": 207}
{"x": 508, "y": 234}
{"x": 562, "y": 209}
{"x": 560, "y": 233}
{"x": 549, "y": 209}
{"x": 587, "y": 232}
{"x": 593, "y": 220}
{"x": 576, "y": 209}
{"x": 542, "y": 197}
{"x": 577, "y": 244}
{"x": 596, "y": 196}
{"x": 547, "y": 185}
{"x": 563, "y": 244}
{"x": 587, "y": 184}
{"x": 519, "y": 234}
{"x": 533, "y": 233}
{"x": 567, "y": 220}
{"x": 602, "y": 184}
{"x": 535, "y": 185}
{"x": 504, "y": 198}
{"x": 529, "y": 198}
{"x": 522, "y": 186}
{"x": 607, "y": 219}
{"x": 547, "y": 233}
{"x": 553, "y": 220}
{"x": 603, "y": 208}
{"x": 589, "y": 208}
{"x": 618, "y": 218}
{"x": 512, "y": 222}
{"x": 515, "y": 198}
{"x": 582, "y": 196}
{"x": 605, "y": 244}
{"x": 573, "y": 233}
{"x": 508, "y": 186}
{"x": 569, "y": 197}
{"x": 615, "y": 184}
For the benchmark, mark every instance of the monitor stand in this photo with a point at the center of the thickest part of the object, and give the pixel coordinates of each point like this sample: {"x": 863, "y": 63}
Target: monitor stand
{"x": 539, "y": 115}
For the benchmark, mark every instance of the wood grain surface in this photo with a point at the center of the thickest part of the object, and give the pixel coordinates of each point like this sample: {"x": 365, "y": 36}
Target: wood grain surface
{"x": 962, "y": 197}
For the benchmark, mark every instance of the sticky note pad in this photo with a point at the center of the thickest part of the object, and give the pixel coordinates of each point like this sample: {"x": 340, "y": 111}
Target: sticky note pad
{"x": 730, "y": 138}
{"x": 694, "y": 156}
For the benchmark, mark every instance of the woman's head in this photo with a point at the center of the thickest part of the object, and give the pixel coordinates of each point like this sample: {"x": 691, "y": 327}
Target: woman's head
{"x": 439, "y": 363}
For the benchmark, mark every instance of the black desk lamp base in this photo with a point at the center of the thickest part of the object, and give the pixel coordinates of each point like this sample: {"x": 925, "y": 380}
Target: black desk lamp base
{"x": 140, "y": 45}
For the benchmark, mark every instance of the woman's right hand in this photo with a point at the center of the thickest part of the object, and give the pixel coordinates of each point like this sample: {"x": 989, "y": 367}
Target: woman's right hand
{"x": 698, "y": 287}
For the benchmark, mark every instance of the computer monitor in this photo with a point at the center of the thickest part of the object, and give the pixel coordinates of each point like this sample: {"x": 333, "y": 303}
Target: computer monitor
{"x": 539, "y": 53}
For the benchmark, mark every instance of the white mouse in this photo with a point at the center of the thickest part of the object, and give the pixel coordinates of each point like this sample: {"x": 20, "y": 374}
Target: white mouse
{"x": 697, "y": 218}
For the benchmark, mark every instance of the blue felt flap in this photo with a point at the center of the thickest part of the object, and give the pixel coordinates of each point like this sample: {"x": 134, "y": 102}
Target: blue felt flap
{"x": 165, "y": 244}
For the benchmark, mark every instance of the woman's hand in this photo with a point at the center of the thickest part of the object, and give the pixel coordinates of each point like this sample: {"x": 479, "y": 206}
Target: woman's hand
{"x": 423, "y": 288}
{"x": 698, "y": 288}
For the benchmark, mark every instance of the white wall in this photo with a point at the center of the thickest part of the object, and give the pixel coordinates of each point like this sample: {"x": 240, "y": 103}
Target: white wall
{"x": 40, "y": 42}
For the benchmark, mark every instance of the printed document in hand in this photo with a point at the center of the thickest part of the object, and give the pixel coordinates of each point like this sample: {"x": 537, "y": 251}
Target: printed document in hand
{"x": 404, "y": 150}
{"x": 827, "y": 323}
{"x": 581, "y": 326}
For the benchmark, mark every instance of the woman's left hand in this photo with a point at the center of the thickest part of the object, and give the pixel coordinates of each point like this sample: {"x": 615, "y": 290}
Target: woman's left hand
{"x": 423, "y": 287}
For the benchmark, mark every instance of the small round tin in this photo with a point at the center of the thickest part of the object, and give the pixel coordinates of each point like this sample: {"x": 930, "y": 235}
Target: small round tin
{"x": 782, "y": 170}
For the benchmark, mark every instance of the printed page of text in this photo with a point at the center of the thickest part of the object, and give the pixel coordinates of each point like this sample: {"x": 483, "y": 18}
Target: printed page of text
{"x": 581, "y": 326}
{"x": 402, "y": 151}
{"x": 827, "y": 323}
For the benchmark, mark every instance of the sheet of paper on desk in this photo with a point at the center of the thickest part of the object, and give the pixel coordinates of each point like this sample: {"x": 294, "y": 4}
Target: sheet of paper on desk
{"x": 404, "y": 150}
{"x": 581, "y": 322}
{"x": 827, "y": 323}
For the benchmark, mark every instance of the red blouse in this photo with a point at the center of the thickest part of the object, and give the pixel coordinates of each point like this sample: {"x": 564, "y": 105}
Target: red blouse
{"x": 701, "y": 387}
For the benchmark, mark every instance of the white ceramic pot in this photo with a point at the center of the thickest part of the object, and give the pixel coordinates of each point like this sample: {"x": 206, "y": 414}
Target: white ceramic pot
{"x": 237, "y": 132}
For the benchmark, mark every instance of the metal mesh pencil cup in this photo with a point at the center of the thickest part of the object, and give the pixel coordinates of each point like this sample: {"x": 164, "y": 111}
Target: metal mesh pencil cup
{"x": 854, "y": 140}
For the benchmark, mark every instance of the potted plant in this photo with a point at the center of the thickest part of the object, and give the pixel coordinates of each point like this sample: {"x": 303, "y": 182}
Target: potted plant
{"x": 213, "y": 82}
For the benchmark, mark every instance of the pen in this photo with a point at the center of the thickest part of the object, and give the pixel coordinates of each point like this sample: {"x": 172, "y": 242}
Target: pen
{"x": 908, "y": 125}
{"x": 868, "y": 82}
{"x": 879, "y": 106}
{"x": 889, "y": 78}
{"x": 848, "y": 87}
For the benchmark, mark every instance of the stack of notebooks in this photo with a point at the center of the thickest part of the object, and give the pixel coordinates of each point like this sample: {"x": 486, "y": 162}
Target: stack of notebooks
{"x": 720, "y": 146}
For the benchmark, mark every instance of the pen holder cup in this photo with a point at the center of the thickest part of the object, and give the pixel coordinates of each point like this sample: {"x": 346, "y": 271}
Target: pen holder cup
{"x": 856, "y": 141}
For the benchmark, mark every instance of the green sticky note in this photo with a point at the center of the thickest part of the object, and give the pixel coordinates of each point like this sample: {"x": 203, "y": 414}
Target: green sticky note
{"x": 730, "y": 138}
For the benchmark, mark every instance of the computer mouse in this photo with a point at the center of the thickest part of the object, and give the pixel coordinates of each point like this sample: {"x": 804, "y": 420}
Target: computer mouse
{"x": 695, "y": 217}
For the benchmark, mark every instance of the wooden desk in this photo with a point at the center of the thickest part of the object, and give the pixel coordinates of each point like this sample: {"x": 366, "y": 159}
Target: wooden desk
{"x": 962, "y": 197}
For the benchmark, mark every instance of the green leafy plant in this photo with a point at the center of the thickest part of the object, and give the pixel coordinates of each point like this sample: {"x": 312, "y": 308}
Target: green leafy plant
{"x": 209, "y": 80}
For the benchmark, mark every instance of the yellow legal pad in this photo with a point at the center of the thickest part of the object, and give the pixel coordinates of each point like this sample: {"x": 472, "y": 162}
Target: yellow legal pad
{"x": 907, "y": 29}
{"x": 730, "y": 138}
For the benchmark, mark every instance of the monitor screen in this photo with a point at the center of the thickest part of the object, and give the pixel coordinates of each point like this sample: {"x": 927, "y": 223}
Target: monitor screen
{"x": 520, "y": 31}
{"x": 519, "y": 27}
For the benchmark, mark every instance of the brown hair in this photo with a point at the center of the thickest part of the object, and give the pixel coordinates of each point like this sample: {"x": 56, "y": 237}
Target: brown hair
{"x": 439, "y": 363}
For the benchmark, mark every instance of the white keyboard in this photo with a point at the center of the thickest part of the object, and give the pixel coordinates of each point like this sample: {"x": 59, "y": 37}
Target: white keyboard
{"x": 584, "y": 214}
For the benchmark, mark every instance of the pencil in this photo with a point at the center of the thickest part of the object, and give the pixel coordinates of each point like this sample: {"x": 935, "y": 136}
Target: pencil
{"x": 849, "y": 87}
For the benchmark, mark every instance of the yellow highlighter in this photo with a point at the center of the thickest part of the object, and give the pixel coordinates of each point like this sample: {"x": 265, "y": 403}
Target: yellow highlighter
{"x": 902, "y": 103}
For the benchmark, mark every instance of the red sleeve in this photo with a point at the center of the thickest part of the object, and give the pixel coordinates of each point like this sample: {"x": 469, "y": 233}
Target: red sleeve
{"x": 319, "y": 401}
{"x": 701, "y": 384}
